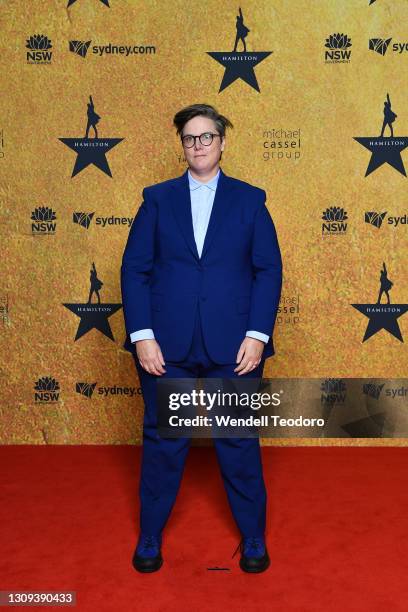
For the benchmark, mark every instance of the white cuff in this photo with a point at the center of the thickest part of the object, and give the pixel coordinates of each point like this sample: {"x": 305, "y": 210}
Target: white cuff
{"x": 258, "y": 335}
{"x": 142, "y": 334}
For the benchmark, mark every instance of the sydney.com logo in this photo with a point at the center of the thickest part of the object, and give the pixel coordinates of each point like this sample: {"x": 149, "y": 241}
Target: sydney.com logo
{"x": 80, "y": 47}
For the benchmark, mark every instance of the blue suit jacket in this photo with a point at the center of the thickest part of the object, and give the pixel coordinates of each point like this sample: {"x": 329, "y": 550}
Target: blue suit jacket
{"x": 236, "y": 282}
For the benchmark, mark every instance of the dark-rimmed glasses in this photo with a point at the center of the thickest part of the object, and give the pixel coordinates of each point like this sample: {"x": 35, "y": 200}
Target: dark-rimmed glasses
{"x": 206, "y": 139}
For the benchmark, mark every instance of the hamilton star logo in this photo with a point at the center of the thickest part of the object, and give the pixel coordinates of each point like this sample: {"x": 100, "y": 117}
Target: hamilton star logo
{"x": 91, "y": 150}
{"x": 382, "y": 316}
{"x": 239, "y": 64}
{"x": 105, "y": 2}
{"x": 385, "y": 150}
{"x": 94, "y": 315}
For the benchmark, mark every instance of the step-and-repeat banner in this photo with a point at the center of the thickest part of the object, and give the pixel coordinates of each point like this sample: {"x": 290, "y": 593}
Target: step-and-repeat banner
{"x": 317, "y": 94}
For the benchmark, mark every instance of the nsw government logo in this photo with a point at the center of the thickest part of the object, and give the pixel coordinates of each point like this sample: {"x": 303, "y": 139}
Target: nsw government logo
{"x": 338, "y": 46}
{"x": 38, "y": 46}
{"x": 333, "y": 391}
{"x": 91, "y": 150}
{"x": 239, "y": 64}
{"x": 334, "y": 221}
{"x": 46, "y": 390}
{"x": 385, "y": 149}
{"x": 43, "y": 221}
{"x": 382, "y": 316}
{"x": 94, "y": 315}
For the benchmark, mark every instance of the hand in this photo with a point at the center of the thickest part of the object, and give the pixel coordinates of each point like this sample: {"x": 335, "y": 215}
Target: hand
{"x": 249, "y": 355}
{"x": 150, "y": 356}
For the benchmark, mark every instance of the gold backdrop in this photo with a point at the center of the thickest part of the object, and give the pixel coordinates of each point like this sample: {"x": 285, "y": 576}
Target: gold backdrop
{"x": 136, "y": 96}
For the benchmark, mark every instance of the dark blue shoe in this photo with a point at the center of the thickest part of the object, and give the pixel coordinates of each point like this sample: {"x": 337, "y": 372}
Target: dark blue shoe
{"x": 254, "y": 556}
{"x": 147, "y": 556}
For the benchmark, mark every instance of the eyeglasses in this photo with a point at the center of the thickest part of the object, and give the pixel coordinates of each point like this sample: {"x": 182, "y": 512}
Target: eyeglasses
{"x": 205, "y": 139}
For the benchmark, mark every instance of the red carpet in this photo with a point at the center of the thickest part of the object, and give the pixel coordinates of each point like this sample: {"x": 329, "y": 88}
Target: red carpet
{"x": 337, "y": 535}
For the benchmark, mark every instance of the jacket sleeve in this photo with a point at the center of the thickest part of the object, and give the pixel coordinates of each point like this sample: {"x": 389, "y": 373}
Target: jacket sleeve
{"x": 137, "y": 265}
{"x": 267, "y": 271}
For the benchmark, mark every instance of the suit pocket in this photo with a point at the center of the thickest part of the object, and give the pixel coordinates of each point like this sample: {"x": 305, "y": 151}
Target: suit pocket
{"x": 157, "y": 301}
{"x": 243, "y": 304}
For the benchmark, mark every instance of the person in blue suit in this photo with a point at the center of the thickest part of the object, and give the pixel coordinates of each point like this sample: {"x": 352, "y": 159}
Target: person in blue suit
{"x": 201, "y": 279}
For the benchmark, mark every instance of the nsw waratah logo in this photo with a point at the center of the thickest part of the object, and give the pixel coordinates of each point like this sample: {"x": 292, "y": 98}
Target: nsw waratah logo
{"x": 385, "y": 149}
{"x": 382, "y": 315}
{"x": 39, "y": 49}
{"x": 46, "y": 390}
{"x": 338, "y": 46}
{"x": 91, "y": 150}
{"x": 334, "y": 221}
{"x": 43, "y": 221}
{"x": 79, "y": 47}
{"x": 333, "y": 391}
{"x": 239, "y": 64}
{"x": 93, "y": 315}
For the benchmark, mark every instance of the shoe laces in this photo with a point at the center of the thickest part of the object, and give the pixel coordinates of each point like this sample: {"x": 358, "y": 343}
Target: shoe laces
{"x": 149, "y": 541}
{"x": 249, "y": 543}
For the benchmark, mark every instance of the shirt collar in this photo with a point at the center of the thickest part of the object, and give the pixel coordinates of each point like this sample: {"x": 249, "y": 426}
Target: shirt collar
{"x": 212, "y": 184}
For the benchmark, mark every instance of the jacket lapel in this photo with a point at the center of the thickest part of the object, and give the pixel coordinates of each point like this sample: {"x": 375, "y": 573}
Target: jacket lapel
{"x": 221, "y": 207}
{"x": 181, "y": 204}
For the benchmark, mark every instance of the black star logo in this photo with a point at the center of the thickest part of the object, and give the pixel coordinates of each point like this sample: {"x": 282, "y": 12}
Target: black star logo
{"x": 93, "y": 316}
{"x": 385, "y": 151}
{"x": 105, "y": 2}
{"x": 91, "y": 151}
{"x": 382, "y": 316}
{"x": 239, "y": 65}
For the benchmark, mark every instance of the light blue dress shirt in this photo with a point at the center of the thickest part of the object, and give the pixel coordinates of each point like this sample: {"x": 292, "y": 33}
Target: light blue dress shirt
{"x": 202, "y": 199}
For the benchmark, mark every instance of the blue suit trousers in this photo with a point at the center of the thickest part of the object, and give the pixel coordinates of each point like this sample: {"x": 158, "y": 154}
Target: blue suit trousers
{"x": 163, "y": 459}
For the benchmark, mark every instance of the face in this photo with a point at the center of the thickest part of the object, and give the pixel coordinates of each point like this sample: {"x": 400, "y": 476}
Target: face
{"x": 201, "y": 158}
